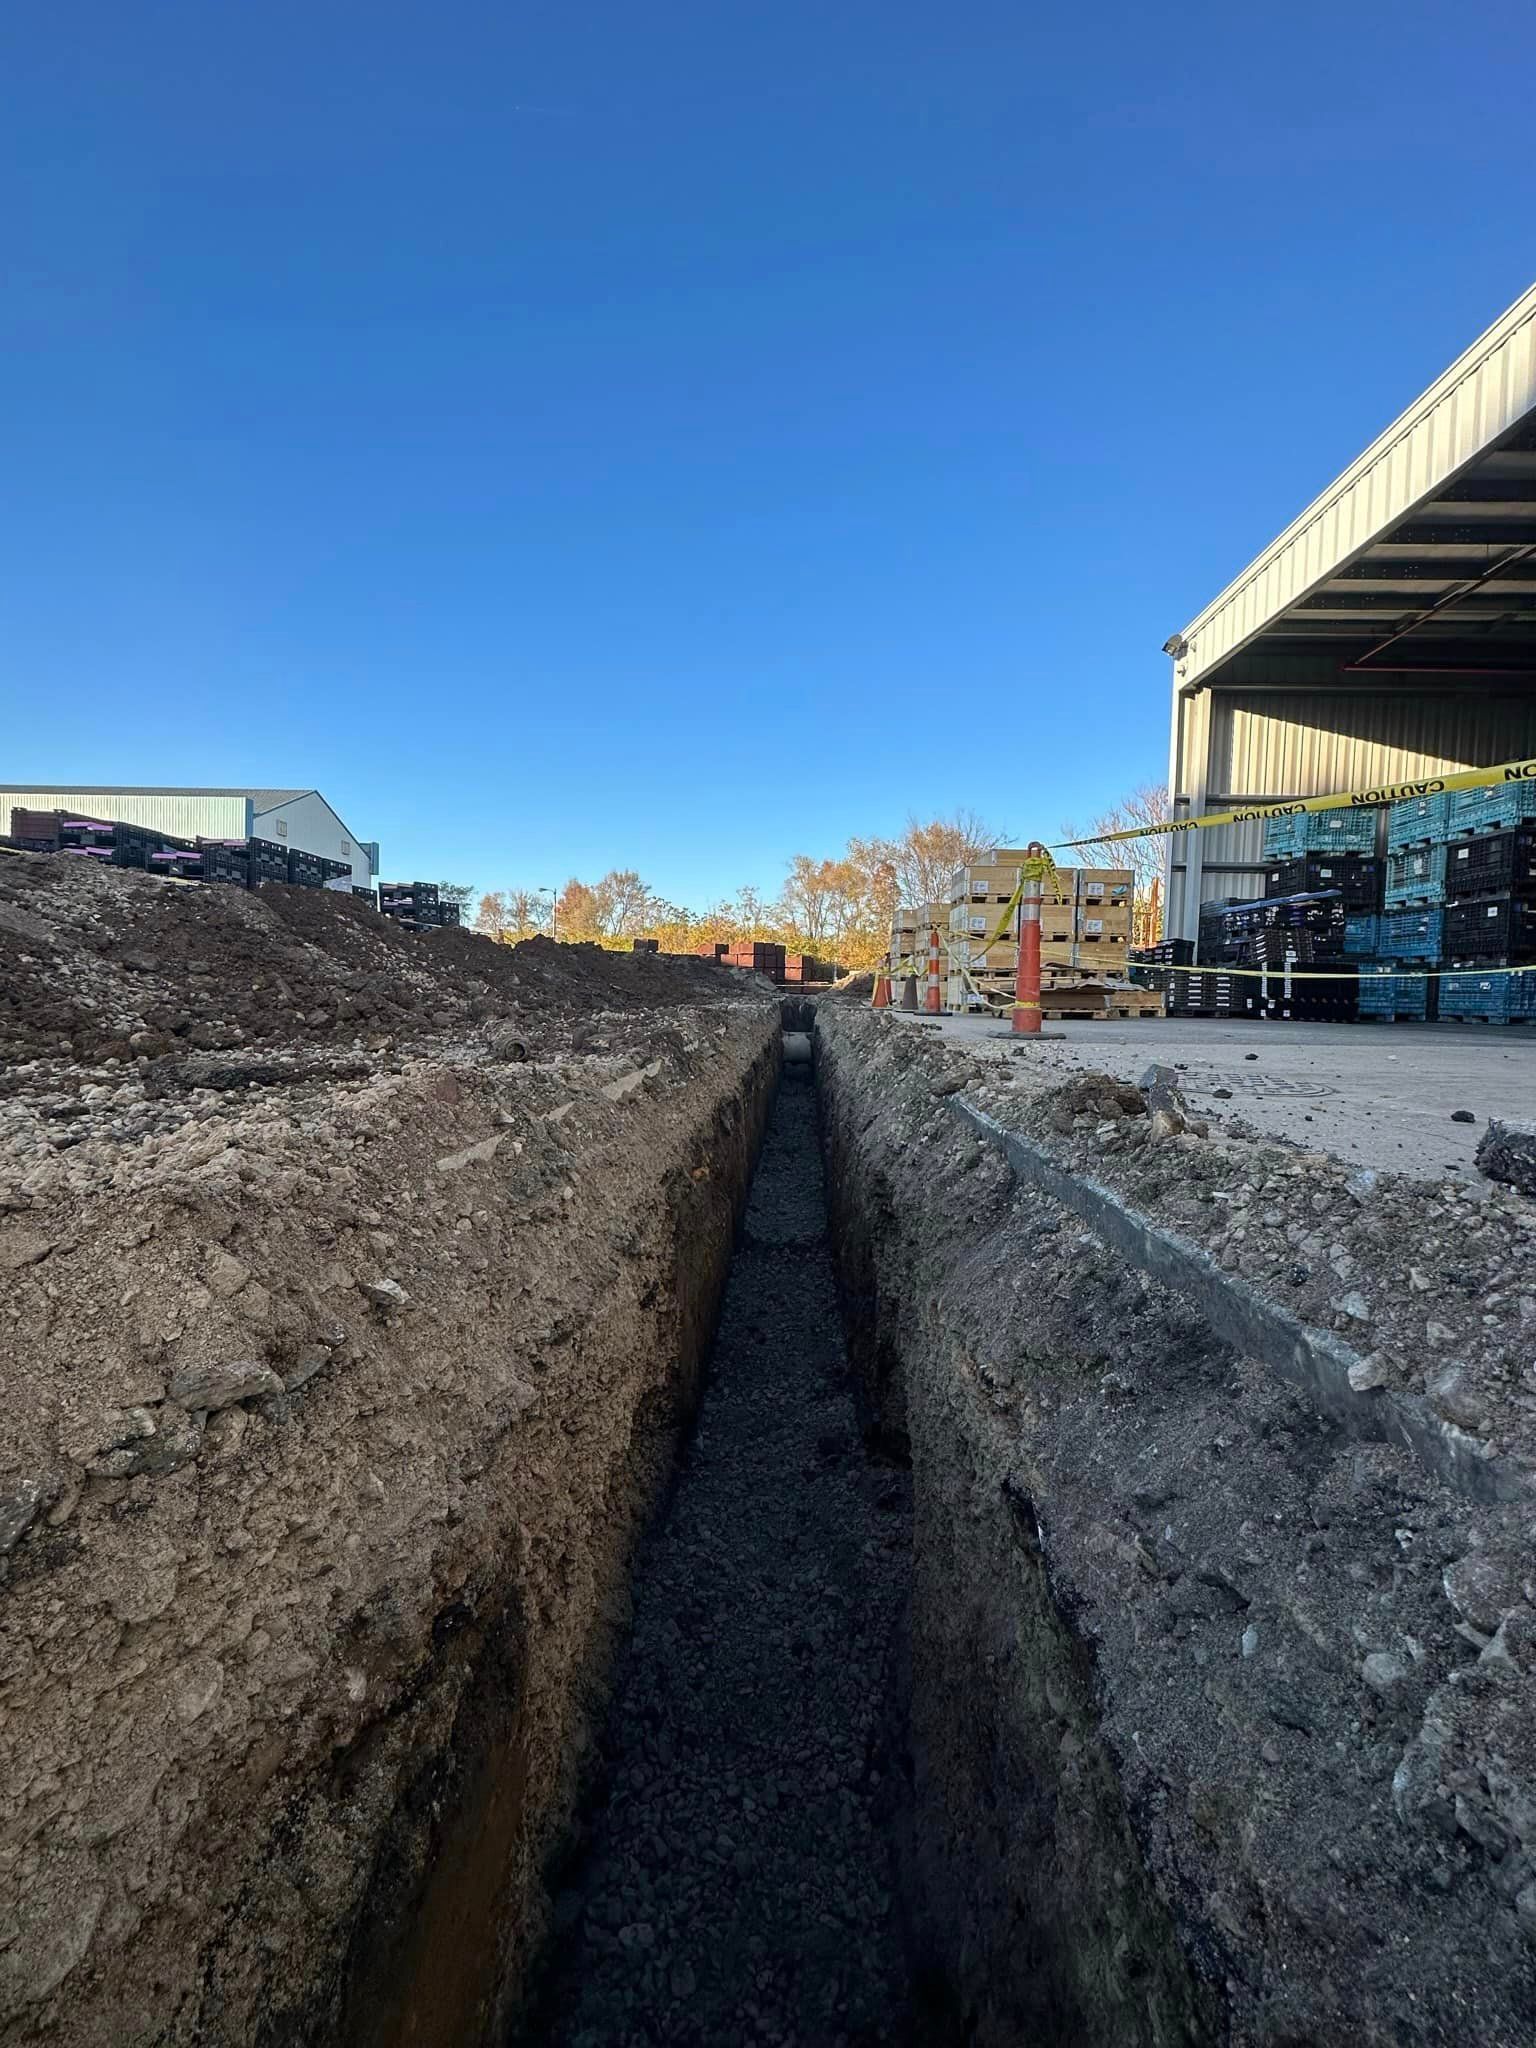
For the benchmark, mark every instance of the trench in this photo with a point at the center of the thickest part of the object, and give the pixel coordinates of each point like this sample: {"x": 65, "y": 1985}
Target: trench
{"x": 830, "y": 1769}
{"x": 736, "y": 1873}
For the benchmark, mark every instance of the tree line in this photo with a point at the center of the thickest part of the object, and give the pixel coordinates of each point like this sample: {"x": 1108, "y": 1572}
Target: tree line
{"x": 839, "y": 909}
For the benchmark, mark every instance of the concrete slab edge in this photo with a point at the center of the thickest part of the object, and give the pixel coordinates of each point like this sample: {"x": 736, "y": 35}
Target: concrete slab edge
{"x": 1314, "y": 1361}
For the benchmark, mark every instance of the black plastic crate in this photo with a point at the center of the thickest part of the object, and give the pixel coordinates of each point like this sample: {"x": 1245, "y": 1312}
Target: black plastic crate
{"x": 1311, "y": 925}
{"x": 1147, "y": 965}
{"x": 1188, "y": 992}
{"x": 1500, "y": 928}
{"x": 227, "y": 864}
{"x": 1356, "y": 877}
{"x": 1205, "y": 992}
{"x": 267, "y": 860}
{"x": 37, "y": 831}
{"x": 132, "y": 845}
{"x": 1493, "y": 864}
{"x": 184, "y": 863}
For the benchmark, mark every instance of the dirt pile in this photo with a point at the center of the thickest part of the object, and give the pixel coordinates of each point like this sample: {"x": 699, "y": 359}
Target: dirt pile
{"x": 344, "y": 1354}
{"x": 1224, "y": 1720}
{"x": 114, "y": 965}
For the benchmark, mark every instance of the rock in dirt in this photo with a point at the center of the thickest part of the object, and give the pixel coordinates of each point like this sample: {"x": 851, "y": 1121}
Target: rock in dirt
{"x": 471, "y": 1155}
{"x": 18, "y": 1511}
{"x": 211, "y": 1387}
{"x": 22, "y": 1248}
{"x": 1451, "y": 1395}
{"x": 1160, "y": 1085}
{"x": 385, "y": 1293}
{"x": 1462, "y": 1116}
{"x": 1483, "y": 1586}
{"x": 1507, "y": 1152}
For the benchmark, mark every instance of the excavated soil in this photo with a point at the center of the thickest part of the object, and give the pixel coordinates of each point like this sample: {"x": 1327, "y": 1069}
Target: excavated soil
{"x": 354, "y": 1289}
{"x": 1222, "y": 1707}
{"x": 737, "y": 1880}
{"x": 1038, "y": 1668}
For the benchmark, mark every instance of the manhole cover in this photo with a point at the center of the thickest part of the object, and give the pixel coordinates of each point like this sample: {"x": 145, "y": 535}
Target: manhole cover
{"x": 1245, "y": 1083}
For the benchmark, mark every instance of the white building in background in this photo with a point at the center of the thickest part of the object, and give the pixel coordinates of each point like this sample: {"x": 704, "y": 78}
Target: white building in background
{"x": 298, "y": 818}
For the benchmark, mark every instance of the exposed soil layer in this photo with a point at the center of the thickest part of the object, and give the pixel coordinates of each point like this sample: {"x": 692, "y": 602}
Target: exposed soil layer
{"x": 344, "y": 1357}
{"x": 737, "y": 1881}
{"x": 1222, "y": 1720}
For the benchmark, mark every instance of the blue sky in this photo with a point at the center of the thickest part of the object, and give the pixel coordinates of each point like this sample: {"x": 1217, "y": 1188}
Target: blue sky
{"x": 681, "y": 435}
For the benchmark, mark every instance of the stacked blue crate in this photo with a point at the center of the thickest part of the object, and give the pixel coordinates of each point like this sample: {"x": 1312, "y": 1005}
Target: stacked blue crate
{"x": 1341, "y": 831}
{"x": 1491, "y": 810}
{"x": 1362, "y": 934}
{"x": 1414, "y": 874}
{"x": 1282, "y": 837}
{"x": 1389, "y": 990}
{"x": 1411, "y": 934}
{"x": 1495, "y": 998}
{"x": 1417, "y": 821}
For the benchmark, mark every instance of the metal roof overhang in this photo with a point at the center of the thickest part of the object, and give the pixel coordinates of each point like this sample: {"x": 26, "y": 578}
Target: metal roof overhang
{"x": 1419, "y": 562}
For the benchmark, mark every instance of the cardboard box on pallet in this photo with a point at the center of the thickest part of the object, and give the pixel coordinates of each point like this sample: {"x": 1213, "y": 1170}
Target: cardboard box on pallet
{"x": 987, "y": 882}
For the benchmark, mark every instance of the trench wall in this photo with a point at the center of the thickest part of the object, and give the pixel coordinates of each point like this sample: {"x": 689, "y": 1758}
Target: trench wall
{"x": 292, "y": 1727}
{"x": 1190, "y": 1712}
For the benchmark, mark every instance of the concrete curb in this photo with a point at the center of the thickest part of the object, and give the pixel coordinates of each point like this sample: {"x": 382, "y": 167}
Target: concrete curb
{"x": 1314, "y": 1361}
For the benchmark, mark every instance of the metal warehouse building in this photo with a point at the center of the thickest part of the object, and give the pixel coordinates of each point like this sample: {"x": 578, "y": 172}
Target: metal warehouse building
{"x": 1389, "y": 633}
{"x": 299, "y": 818}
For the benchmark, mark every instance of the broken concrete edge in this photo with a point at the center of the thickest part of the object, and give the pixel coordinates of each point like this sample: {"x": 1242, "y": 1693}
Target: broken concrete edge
{"x": 1316, "y": 1362}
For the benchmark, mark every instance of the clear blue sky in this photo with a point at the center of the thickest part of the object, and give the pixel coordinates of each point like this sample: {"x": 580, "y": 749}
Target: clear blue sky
{"x": 681, "y": 434}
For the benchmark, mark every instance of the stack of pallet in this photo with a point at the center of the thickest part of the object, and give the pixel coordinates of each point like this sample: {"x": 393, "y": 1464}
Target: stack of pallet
{"x": 804, "y": 970}
{"x": 1085, "y": 938}
{"x": 759, "y": 956}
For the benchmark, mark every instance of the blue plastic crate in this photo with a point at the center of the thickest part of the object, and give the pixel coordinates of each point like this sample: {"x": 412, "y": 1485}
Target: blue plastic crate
{"x": 1341, "y": 831}
{"x": 1491, "y": 810}
{"x": 1362, "y": 934}
{"x": 1411, "y": 934}
{"x": 1351, "y": 831}
{"x": 1414, "y": 875}
{"x": 1494, "y": 996}
{"x": 1283, "y": 837}
{"x": 1387, "y": 992}
{"x": 1416, "y": 821}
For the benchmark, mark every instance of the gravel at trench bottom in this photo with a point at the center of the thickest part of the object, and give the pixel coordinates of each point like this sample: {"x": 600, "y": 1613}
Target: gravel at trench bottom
{"x": 736, "y": 1883}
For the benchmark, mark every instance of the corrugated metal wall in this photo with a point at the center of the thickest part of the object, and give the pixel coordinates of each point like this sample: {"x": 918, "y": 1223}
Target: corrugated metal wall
{"x": 1279, "y": 743}
{"x": 1307, "y": 743}
{"x": 187, "y": 817}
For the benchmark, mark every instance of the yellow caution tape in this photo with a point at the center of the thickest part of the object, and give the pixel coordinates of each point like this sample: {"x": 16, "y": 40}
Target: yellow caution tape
{"x": 1353, "y": 799}
{"x": 1372, "y": 971}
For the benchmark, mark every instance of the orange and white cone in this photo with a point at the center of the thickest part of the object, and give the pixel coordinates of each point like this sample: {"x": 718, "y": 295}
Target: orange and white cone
{"x": 1026, "y": 988}
{"x": 931, "y": 1002}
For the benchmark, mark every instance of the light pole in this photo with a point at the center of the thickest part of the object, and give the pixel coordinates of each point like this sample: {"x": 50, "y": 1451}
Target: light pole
{"x": 554, "y": 908}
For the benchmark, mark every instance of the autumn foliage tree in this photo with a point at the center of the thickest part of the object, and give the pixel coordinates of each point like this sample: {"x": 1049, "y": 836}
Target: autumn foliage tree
{"x": 1147, "y": 804}
{"x": 838, "y": 909}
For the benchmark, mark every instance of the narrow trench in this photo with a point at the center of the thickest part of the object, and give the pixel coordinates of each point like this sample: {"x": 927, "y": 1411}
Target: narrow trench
{"x": 736, "y": 1877}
